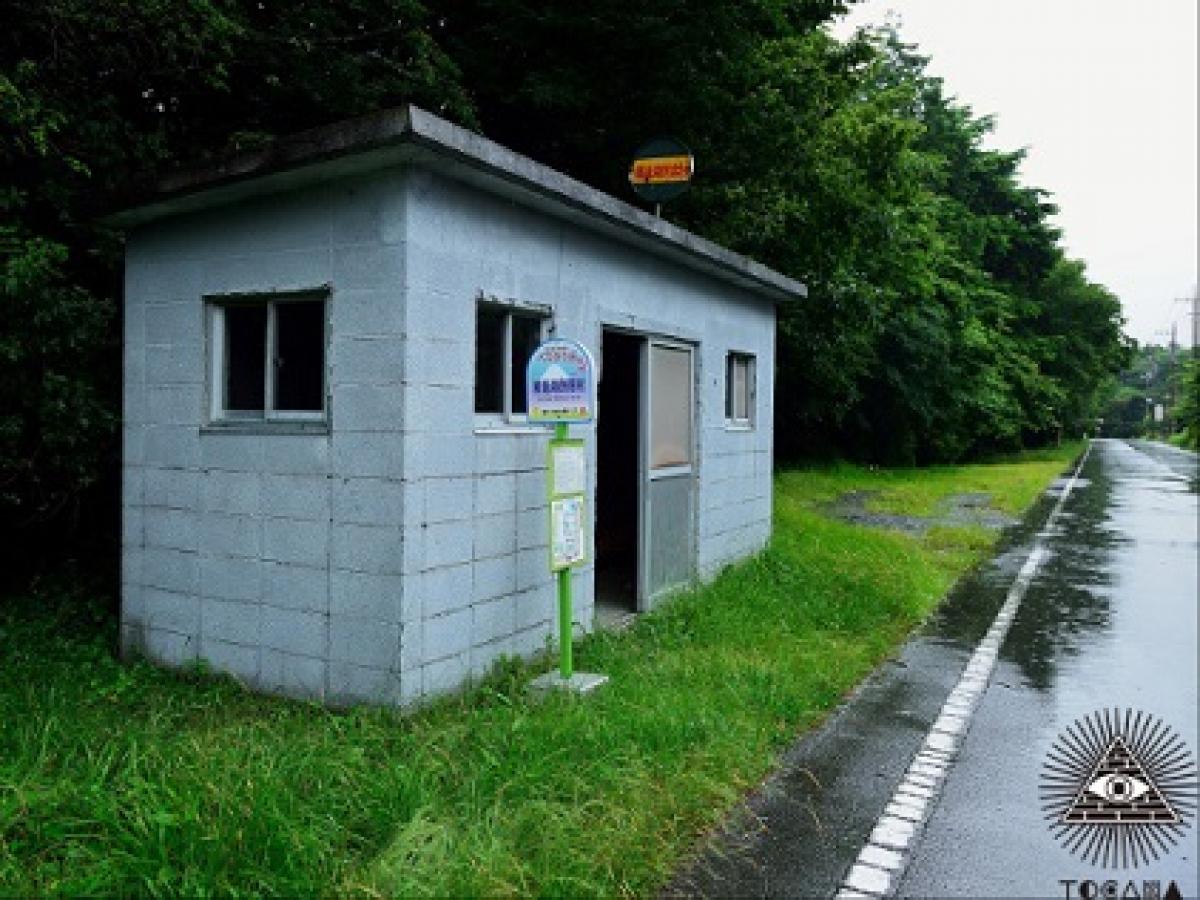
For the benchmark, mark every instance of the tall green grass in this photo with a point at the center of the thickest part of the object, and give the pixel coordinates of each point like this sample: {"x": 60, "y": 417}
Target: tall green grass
{"x": 127, "y": 779}
{"x": 1012, "y": 483}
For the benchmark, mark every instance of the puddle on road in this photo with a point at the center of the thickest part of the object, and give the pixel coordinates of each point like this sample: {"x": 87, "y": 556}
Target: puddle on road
{"x": 1072, "y": 602}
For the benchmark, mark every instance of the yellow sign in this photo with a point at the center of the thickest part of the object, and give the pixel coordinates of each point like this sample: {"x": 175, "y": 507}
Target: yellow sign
{"x": 661, "y": 170}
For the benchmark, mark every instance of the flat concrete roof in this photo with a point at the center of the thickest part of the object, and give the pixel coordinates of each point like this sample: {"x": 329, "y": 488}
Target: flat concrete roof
{"x": 409, "y": 135}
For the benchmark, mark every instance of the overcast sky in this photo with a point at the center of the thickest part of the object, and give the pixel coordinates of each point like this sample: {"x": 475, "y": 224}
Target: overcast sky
{"x": 1102, "y": 93}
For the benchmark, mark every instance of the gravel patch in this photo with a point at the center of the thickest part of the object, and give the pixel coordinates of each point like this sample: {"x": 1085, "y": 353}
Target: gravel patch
{"x": 955, "y": 511}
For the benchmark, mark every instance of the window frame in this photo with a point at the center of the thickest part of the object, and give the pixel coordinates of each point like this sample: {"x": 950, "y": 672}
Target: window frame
{"x": 220, "y": 418}
{"x": 543, "y": 315}
{"x": 733, "y": 422}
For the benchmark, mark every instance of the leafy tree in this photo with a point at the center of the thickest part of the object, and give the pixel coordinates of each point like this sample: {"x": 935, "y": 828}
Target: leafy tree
{"x": 1128, "y": 399}
{"x": 98, "y": 94}
{"x": 1187, "y": 411}
{"x": 579, "y": 88}
{"x": 943, "y": 321}
{"x": 974, "y": 356}
{"x": 1075, "y": 336}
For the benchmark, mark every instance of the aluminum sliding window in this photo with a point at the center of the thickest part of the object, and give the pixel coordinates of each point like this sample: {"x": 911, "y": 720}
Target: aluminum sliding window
{"x": 739, "y": 390}
{"x": 505, "y": 338}
{"x": 267, "y": 359}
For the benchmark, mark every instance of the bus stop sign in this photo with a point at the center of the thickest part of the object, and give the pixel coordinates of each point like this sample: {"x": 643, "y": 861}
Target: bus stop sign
{"x": 560, "y": 382}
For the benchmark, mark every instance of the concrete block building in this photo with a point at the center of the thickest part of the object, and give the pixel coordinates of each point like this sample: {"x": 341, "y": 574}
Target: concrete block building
{"x": 330, "y": 488}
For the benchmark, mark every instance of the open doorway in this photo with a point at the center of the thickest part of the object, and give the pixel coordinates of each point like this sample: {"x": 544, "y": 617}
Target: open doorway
{"x": 617, "y": 532}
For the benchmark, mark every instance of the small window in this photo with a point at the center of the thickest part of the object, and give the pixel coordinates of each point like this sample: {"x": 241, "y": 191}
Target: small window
{"x": 504, "y": 340}
{"x": 739, "y": 389}
{"x": 267, "y": 359}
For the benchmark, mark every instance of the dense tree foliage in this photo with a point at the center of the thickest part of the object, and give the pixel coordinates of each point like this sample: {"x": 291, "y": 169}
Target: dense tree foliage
{"x": 944, "y": 320}
{"x": 97, "y": 94}
{"x": 1162, "y": 378}
{"x": 1186, "y": 414}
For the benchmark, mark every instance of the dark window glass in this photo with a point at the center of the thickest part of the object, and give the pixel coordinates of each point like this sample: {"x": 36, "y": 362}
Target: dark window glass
{"x": 741, "y": 388}
{"x": 300, "y": 355}
{"x": 526, "y": 335}
{"x": 730, "y": 362}
{"x": 489, "y": 359}
{"x": 245, "y": 358}
{"x": 737, "y": 388}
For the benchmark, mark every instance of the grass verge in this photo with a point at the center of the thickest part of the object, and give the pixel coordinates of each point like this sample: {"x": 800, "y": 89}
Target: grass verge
{"x": 1185, "y": 440}
{"x": 120, "y": 779}
{"x": 1012, "y": 483}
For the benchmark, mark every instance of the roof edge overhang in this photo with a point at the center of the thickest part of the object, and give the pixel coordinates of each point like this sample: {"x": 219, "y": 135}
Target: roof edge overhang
{"x": 411, "y": 136}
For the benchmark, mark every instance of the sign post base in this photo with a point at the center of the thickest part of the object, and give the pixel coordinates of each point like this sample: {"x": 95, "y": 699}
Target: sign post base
{"x": 578, "y": 683}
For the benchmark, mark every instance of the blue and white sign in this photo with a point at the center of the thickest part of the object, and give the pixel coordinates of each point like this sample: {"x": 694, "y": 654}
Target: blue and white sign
{"x": 561, "y": 383}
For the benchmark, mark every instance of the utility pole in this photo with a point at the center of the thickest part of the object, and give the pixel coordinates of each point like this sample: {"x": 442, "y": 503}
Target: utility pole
{"x": 1167, "y": 419}
{"x": 1194, "y": 300}
{"x": 1195, "y": 323}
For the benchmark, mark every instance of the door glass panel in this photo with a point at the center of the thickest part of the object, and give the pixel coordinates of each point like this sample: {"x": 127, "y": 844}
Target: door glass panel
{"x": 670, "y": 407}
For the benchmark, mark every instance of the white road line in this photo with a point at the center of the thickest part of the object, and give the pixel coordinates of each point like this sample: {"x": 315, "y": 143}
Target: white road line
{"x": 883, "y": 859}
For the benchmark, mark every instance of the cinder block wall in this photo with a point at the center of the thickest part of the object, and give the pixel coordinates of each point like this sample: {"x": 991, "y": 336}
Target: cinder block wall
{"x": 490, "y": 541}
{"x": 478, "y": 571}
{"x": 276, "y": 557}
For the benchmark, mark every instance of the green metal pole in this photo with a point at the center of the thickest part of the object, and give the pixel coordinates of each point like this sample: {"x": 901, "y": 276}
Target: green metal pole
{"x": 565, "y": 664}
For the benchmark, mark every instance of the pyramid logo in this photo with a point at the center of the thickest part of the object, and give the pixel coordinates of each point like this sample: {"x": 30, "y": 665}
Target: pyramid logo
{"x": 1118, "y": 789}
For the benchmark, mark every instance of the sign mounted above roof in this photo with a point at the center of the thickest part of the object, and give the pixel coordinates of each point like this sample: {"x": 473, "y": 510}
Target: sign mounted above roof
{"x": 662, "y": 170}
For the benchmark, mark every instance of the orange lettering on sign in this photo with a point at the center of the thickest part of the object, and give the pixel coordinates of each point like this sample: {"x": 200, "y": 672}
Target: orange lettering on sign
{"x": 661, "y": 170}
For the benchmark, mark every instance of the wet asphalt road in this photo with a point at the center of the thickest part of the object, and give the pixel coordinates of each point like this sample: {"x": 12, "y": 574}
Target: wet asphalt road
{"x": 1110, "y": 620}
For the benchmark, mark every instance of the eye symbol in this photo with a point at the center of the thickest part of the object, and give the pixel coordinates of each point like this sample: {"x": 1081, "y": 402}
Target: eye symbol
{"x": 1118, "y": 788}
